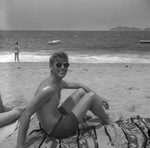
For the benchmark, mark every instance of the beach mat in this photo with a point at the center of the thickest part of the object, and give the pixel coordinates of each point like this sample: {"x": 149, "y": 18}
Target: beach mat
{"x": 130, "y": 133}
{"x": 85, "y": 137}
{"x": 126, "y": 133}
{"x": 8, "y": 130}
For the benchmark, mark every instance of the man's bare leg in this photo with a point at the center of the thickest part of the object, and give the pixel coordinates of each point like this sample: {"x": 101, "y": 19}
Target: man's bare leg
{"x": 72, "y": 100}
{"x": 80, "y": 102}
{"x": 90, "y": 102}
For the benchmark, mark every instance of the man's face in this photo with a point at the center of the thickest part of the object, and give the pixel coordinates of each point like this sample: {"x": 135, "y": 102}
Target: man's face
{"x": 60, "y": 67}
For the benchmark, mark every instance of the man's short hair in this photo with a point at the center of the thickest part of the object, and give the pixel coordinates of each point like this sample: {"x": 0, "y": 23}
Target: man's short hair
{"x": 57, "y": 55}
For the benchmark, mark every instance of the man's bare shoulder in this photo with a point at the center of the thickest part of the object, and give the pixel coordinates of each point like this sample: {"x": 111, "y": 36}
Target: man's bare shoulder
{"x": 45, "y": 87}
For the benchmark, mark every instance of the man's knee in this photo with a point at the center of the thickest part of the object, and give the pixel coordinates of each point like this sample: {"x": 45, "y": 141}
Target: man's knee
{"x": 90, "y": 96}
{"x": 81, "y": 91}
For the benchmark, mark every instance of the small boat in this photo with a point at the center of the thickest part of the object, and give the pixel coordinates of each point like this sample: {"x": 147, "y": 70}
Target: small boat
{"x": 144, "y": 41}
{"x": 54, "y": 42}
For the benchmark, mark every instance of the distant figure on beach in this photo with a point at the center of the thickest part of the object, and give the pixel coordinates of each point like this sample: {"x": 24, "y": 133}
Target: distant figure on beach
{"x": 16, "y": 51}
{"x": 61, "y": 121}
{"x": 9, "y": 114}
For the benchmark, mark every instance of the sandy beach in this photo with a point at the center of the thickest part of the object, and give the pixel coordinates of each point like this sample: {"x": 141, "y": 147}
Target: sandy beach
{"x": 126, "y": 86}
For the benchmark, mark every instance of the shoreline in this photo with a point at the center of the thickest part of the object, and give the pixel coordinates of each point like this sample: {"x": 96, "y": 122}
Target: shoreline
{"x": 75, "y": 57}
{"x": 74, "y": 63}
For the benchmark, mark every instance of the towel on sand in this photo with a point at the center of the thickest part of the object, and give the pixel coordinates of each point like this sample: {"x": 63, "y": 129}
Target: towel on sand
{"x": 85, "y": 137}
{"x": 130, "y": 133}
{"x": 126, "y": 133}
{"x": 7, "y": 130}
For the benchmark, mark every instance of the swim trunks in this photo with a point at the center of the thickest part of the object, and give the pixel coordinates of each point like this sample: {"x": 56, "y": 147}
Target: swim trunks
{"x": 66, "y": 126}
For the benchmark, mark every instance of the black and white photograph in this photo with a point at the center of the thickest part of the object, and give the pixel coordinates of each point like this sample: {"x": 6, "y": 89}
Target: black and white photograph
{"x": 74, "y": 73}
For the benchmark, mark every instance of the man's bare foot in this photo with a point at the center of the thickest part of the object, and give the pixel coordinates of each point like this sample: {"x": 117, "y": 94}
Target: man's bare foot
{"x": 113, "y": 117}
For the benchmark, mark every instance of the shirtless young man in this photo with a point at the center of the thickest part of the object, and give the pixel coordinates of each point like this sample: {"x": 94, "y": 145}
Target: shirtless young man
{"x": 61, "y": 122}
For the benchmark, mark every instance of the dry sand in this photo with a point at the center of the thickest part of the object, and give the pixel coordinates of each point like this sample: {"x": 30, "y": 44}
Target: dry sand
{"x": 126, "y": 86}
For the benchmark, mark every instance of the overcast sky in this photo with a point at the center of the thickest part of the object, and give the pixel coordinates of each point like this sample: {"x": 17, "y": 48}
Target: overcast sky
{"x": 73, "y": 14}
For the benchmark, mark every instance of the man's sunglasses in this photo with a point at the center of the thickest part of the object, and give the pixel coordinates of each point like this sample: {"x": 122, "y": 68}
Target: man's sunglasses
{"x": 66, "y": 65}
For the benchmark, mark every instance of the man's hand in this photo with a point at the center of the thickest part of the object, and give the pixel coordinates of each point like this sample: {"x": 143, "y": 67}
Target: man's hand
{"x": 105, "y": 104}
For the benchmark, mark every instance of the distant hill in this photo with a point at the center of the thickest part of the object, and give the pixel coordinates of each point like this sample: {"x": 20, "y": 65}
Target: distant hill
{"x": 122, "y": 28}
{"x": 147, "y": 29}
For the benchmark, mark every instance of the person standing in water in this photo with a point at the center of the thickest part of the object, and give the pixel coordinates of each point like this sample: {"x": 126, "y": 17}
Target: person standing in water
{"x": 16, "y": 51}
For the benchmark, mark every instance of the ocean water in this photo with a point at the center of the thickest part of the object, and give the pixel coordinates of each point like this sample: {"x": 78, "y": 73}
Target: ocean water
{"x": 81, "y": 46}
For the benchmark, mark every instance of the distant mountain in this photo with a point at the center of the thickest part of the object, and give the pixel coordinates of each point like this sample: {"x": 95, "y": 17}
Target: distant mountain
{"x": 147, "y": 29}
{"x": 122, "y": 28}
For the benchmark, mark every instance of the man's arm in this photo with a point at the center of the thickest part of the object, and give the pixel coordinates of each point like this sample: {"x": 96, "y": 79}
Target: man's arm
{"x": 23, "y": 128}
{"x": 39, "y": 99}
{"x": 71, "y": 85}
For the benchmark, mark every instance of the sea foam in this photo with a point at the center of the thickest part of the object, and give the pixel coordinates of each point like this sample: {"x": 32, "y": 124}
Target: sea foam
{"x": 81, "y": 58}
